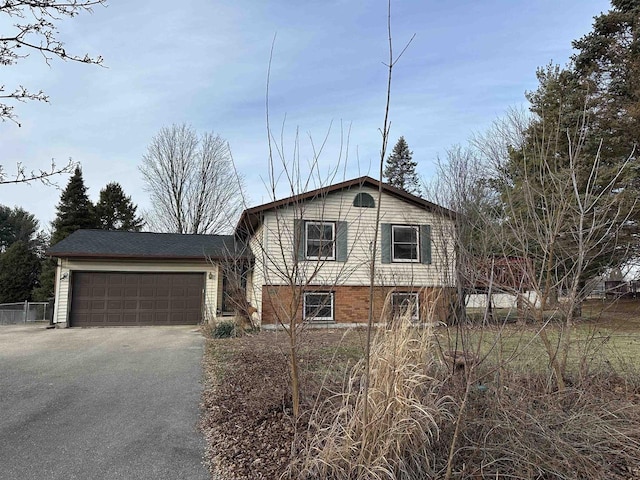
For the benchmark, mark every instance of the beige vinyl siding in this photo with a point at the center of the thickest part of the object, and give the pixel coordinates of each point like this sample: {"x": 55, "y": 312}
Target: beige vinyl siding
{"x": 256, "y": 280}
{"x": 68, "y": 266}
{"x": 338, "y": 206}
{"x": 61, "y": 295}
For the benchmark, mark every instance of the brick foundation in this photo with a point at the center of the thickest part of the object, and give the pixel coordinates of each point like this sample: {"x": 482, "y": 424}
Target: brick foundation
{"x": 351, "y": 303}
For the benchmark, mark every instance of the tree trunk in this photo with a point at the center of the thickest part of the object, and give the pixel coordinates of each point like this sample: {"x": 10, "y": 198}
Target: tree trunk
{"x": 522, "y": 315}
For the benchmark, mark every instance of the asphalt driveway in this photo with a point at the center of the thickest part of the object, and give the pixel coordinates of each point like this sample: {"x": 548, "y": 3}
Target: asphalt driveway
{"x": 100, "y": 403}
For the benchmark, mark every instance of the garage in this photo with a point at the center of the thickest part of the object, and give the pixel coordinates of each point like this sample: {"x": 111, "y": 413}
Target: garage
{"x": 115, "y": 278}
{"x": 136, "y": 299}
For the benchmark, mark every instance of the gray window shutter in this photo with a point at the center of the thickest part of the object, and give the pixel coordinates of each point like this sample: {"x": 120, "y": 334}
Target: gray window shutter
{"x": 298, "y": 239}
{"x": 425, "y": 244}
{"x": 341, "y": 242}
{"x": 385, "y": 242}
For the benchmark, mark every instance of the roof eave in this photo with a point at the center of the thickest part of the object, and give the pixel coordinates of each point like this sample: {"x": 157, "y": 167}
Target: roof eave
{"x": 202, "y": 257}
{"x": 245, "y": 217}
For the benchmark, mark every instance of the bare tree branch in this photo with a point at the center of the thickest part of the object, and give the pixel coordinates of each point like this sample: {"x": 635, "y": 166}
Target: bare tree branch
{"x": 22, "y": 175}
{"x": 35, "y": 30}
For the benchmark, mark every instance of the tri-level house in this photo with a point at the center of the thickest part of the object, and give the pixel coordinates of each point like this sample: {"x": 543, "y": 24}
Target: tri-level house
{"x": 305, "y": 258}
{"x": 313, "y": 252}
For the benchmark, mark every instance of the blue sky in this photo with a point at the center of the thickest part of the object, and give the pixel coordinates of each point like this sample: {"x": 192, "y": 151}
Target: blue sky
{"x": 205, "y": 62}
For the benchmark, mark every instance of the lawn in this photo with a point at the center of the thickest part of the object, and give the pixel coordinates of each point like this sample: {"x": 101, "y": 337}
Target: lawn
{"x": 247, "y": 408}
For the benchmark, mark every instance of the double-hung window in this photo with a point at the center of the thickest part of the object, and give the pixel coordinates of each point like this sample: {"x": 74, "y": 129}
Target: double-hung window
{"x": 320, "y": 240}
{"x": 405, "y": 303}
{"x": 405, "y": 240}
{"x": 318, "y": 306}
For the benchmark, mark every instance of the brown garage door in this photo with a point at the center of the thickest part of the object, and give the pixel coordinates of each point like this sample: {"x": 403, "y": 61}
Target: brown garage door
{"x": 111, "y": 298}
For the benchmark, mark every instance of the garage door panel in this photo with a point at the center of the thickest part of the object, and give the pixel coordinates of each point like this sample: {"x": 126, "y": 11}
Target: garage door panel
{"x": 130, "y": 305}
{"x": 83, "y": 290}
{"x": 98, "y": 292}
{"x": 115, "y": 291}
{"x": 131, "y": 292}
{"x": 97, "y": 305}
{"x": 109, "y": 298}
{"x": 162, "y": 304}
{"x": 177, "y": 318}
{"x": 83, "y": 304}
{"x": 115, "y": 304}
{"x": 192, "y": 302}
{"x": 178, "y": 304}
{"x": 146, "y": 304}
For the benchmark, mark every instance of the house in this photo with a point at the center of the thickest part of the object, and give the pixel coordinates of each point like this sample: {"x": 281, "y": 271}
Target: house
{"x": 305, "y": 257}
{"x": 500, "y": 282}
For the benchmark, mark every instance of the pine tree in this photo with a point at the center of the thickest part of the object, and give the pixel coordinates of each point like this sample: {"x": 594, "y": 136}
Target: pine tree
{"x": 75, "y": 210}
{"x": 400, "y": 169}
{"x": 19, "y": 269}
{"x": 45, "y": 285}
{"x": 17, "y": 224}
{"x": 116, "y": 211}
{"x": 608, "y": 60}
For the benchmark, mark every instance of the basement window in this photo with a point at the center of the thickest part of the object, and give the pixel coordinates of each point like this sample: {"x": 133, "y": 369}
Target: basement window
{"x": 318, "y": 306}
{"x": 403, "y": 303}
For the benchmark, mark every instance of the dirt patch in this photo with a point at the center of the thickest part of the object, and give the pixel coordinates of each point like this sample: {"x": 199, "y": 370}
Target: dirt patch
{"x": 247, "y": 419}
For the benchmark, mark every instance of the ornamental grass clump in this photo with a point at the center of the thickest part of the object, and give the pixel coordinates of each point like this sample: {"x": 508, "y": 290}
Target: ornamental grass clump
{"x": 404, "y": 409}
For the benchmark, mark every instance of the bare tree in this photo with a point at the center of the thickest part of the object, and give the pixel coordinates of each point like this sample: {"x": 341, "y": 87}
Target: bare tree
{"x": 191, "y": 182}
{"x": 546, "y": 230}
{"x": 35, "y": 30}
{"x": 579, "y": 224}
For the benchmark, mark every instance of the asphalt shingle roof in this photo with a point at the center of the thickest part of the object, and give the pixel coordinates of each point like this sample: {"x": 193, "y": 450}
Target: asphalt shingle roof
{"x": 117, "y": 244}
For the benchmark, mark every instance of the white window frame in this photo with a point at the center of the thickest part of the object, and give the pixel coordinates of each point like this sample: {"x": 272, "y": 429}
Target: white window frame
{"x": 416, "y": 228}
{"x": 306, "y": 240}
{"x": 318, "y": 319}
{"x": 416, "y": 313}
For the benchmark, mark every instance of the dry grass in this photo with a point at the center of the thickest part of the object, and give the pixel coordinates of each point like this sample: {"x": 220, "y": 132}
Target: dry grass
{"x": 405, "y": 409}
{"x": 509, "y": 424}
{"x": 515, "y": 428}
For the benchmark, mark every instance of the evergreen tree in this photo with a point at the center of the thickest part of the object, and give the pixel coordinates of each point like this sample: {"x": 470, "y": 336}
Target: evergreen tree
{"x": 19, "y": 269}
{"x": 17, "y": 224}
{"x": 400, "y": 169}
{"x": 563, "y": 139}
{"x": 75, "y": 210}
{"x": 45, "y": 286}
{"x": 116, "y": 211}
{"x": 608, "y": 60}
